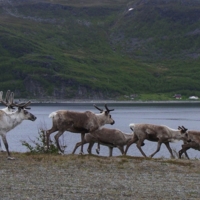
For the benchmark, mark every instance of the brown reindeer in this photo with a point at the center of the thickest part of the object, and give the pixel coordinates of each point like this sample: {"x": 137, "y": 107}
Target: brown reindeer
{"x": 107, "y": 137}
{"x": 155, "y": 133}
{"x": 193, "y": 142}
{"x": 77, "y": 122}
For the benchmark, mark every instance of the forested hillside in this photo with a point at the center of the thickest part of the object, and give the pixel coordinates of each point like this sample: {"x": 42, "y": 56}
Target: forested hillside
{"x": 89, "y": 49}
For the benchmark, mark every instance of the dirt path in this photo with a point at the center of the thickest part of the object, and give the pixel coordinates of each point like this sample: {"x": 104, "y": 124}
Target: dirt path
{"x": 71, "y": 177}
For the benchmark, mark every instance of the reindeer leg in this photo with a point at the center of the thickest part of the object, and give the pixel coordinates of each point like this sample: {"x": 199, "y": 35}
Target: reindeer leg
{"x": 121, "y": 148}
{"x": 157, "y": 150}
{"x": 169, "y": 149}
{"x": 6, "y": 146}
{"x": 1, "y": 147}
{"x": 98, "y": 148}
{"x": 129, "y": 144}
{"x": 82, "y": 140}
{"x": 185, "y": 147}
{"x": 139, "y": 144}
{"x": 181, "y": 152}
{"x": 110, "y": 151}
{"x": 186, "y": 154}
{"x": 57, "y": 140}
{"x": 48, "y": 133}
{"x": 89, "y": 150}
{"x": 76, "y": 146}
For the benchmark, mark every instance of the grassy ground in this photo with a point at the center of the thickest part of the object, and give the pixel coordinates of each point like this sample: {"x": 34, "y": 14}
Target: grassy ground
{"x": 94, "y": 177}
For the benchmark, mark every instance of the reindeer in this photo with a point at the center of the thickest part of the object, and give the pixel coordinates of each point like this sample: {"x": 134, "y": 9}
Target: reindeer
{"x": 8, "y": 109}
{"x": 107, "y": 137}
{"x": 155, "y": 133}
{"x": 9, "y": 121}
{"x": 192, "y": 142}
{"x": 77, "y": 122}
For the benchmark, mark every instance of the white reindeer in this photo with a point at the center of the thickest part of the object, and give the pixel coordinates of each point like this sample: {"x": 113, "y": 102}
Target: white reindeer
{"x": 9, "y": 121}
{"x": 155, "y": 133}
{"x": 107, "y": 137}
{"x": 77, "y": 122}
{"x": 8, "y": 109}
{"x": 192, "y": 142}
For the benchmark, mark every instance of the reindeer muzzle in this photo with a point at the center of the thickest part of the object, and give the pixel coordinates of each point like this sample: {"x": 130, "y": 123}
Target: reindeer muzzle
{"x": 33, "y": 118}
{"x": 113, "y": 122}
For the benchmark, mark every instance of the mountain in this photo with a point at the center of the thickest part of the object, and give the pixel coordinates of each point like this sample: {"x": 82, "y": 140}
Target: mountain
{"x": 99, "y": 49}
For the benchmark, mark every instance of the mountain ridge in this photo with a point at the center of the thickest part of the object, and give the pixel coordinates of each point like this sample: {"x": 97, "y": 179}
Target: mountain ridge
{"x": 99, "y": 50}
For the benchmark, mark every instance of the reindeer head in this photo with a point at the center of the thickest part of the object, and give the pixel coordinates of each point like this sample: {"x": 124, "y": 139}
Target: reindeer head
{"x": 22, "y": 107}
{"x": 184, "y": 133}
{"x": 106, "y": 113}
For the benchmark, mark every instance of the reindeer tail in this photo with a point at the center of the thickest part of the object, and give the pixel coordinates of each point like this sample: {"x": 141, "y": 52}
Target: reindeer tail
{"x": 132, "y": 126}
{"x": 52, "y": 114}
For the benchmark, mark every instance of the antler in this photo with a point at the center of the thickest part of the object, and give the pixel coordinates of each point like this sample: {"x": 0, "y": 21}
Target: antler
{"x": 7, "y": 103}
{"x": 24, "y": 105}
{"x": 21, "y": 105}
{"x": 1, "y": 99}
{"x": 108, "y": 109}
{"x": 185, "y": 129}
{"x": 98, "y": 108}
{"x": 182, "y": 128}
{"x": 7, "y": 96}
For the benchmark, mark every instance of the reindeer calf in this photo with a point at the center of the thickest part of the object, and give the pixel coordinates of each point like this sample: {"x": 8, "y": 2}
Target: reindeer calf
{"x": 107, "y": 137}
{"x": 192, "y": 142}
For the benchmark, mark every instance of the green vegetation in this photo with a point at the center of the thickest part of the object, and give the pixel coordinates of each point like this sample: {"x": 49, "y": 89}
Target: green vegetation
{"x": 38, "y": 146}
{"x": 94, "y": 49}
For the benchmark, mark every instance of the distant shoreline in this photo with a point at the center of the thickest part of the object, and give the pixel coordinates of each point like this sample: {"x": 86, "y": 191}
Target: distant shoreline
{"x": 81, "y": 101}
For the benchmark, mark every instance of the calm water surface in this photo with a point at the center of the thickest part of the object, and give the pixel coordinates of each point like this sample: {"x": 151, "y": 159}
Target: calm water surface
{"x": 172, "y": 115}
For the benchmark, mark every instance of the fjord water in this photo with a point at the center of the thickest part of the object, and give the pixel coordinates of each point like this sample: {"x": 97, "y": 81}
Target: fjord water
{"x": 169, "y": 114}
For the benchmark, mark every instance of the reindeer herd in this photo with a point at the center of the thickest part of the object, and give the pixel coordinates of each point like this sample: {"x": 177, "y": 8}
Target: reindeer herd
{"x": 90, "y": 126}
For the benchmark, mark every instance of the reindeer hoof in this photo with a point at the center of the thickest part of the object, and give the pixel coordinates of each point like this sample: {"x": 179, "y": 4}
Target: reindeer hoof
{"x": 97, "y": 150}
{"x": 81, "y": 153}
{"x": 11, "y": 158}
{"x": 143, "y": 144}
